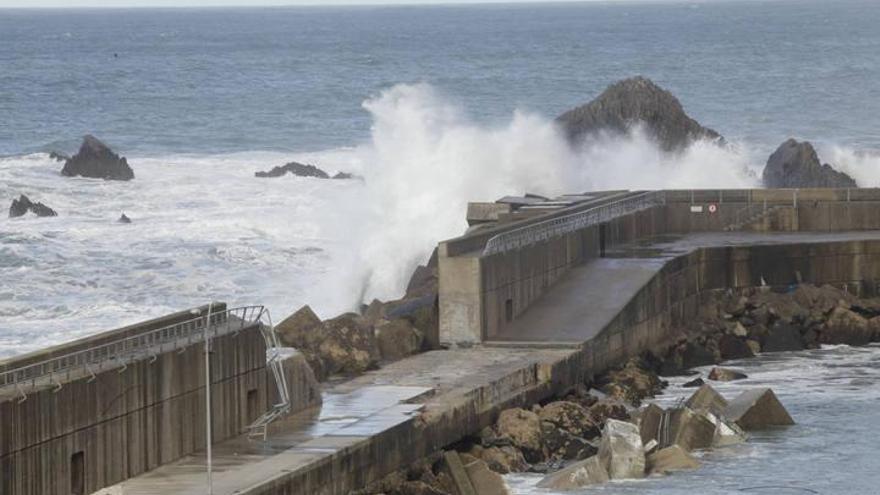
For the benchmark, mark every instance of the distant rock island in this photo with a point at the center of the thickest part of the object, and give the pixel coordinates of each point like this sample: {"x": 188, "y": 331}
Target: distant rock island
{"x": 796, "y": 164}
{"x": 632, "y": 102}
{"x": 302, "y": 170}
{"x": 96, "y": 160}
{"x": 23, "y": 204}
{"x": 638, "y": 101}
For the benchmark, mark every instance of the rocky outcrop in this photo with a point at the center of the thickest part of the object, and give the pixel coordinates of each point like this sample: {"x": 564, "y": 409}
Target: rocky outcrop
{"x": 295, "y": 168}
{"x": 23, "y": 205}
{"x": 633, "y": 102}
{"x": 343, "y": 345}
{"x": 734, "y": 325}
{"x": 96, "y": 160}
{"x": 303, "y": 170}
{"x": 795, "y": 164}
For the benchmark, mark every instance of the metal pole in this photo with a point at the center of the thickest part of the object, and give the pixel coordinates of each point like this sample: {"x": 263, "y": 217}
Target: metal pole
{"x": 208, "y": 398}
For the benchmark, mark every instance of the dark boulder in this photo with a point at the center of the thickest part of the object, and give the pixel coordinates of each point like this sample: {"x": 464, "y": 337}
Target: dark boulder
{"x": 796, "y": 165}
{"x": 23, "y": 204}
{"x": 696, "y": 382}
{"x": 719, "y": 374}
{"x": 632, "y": 102}
{"x": 295, "y": 168}
{"x": 733, "y": 347}
{"x": 96, "y": 160}
{"x": 783, "y": 337}
{"x": 58, "y": 157}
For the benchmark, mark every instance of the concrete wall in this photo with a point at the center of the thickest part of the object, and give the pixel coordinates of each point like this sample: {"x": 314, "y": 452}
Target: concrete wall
{"x": 480, "y": 295}
{"x": 674, "y": 295}
{"x": 131, "y": 420}
{"x": 806, "y": 209}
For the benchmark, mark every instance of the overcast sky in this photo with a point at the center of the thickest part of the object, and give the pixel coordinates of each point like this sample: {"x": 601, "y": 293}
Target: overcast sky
{"x": 199, "y": 3}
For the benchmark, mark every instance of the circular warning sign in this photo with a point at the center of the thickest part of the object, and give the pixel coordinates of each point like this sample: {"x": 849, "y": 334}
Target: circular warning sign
{"x": 713, "y": 208}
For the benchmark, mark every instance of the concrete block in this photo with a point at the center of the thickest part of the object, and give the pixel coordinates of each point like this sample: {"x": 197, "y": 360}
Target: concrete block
{"x": 672, "y": 458}
{"x": 649, "y": 422}
{"x": 580, "y": 474}
{"x": 484, "y": 480}
{"x": 758, "y": 409}
{"x": 621, "y": 451}
{"x": 707, "y": 398}
{"x": 458, "y": 473}
{"x": 690, "y": 430}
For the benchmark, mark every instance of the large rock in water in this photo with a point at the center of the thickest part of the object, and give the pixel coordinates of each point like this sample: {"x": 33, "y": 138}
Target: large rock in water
{"x": 631, "y": 102}
{"x": 23, "y": 204}
{"x": 295, "y": 168}
{"x": 796, "y": 165}
{"x": 96, "y": 160}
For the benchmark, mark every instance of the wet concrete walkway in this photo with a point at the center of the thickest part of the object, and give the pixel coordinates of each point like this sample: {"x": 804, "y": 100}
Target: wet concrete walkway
{"x": 437, "y": 382}
{"x": 353, "y": 412}
{"x": 585, "y": 301}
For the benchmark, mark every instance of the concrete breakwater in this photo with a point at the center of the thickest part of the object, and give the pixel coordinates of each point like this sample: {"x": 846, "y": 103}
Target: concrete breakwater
{"x": 582, "y": 304}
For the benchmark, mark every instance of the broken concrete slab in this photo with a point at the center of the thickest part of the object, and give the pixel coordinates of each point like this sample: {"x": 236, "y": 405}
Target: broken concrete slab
{"x": 580, "y": 474}
{"x": 672, "y": 458}
{"x": 621, "y": 451}
{"x": 757, "y": 409}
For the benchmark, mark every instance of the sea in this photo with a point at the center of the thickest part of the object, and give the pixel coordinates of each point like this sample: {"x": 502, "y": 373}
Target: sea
{"x": 430, "y": 107}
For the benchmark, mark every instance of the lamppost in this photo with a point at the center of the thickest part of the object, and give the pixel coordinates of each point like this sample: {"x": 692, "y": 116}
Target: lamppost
{"x": 208, "y": 435}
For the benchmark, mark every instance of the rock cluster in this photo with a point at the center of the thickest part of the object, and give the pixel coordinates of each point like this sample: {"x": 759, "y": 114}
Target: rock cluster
{"x": 384, "y": 331}
{"x": 444, "y": 473}
{"x": 98, "y": 161}
{"x": 736, "y": 325}
{"x": 796, "y": 164}
{"x": 23, "y": 205}
{"x": 302, "y": 170}
{"x": 658, "y": 442}
{"x": 632, "y": 102}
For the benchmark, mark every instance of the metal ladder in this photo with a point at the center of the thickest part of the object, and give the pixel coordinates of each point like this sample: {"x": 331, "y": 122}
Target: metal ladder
{"x": 260, "y": 427}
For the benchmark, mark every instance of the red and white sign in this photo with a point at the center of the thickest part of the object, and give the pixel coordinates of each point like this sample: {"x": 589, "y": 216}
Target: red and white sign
{"x": 713, "y": 208}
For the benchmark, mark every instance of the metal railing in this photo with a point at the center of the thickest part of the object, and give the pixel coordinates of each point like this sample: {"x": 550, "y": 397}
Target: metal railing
{"x": 749, "y": 214}
{"x": 555, "y": 227}
{"x": 260, "y": 427}
{"x": 119, "y": 354}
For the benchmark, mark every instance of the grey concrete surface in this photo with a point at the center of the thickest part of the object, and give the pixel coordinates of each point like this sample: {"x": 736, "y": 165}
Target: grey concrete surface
{"x": 589, "y": 296}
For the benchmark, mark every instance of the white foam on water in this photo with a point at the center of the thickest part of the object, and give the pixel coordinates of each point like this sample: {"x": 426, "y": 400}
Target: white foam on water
{"x": 206, "y": 228}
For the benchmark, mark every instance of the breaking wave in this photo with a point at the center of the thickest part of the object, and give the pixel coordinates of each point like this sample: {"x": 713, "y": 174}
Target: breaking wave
{"x": 205, "y": 228}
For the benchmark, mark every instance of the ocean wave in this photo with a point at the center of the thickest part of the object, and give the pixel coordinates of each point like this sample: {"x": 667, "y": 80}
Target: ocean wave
{"x": 206, "y": 228}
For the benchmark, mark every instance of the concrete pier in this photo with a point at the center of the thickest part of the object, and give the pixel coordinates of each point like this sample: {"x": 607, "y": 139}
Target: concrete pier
{"x": 533, "y": 303}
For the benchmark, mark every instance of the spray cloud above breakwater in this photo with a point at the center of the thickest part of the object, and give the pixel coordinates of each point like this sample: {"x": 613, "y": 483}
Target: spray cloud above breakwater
{"x": 427, "y": 158}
